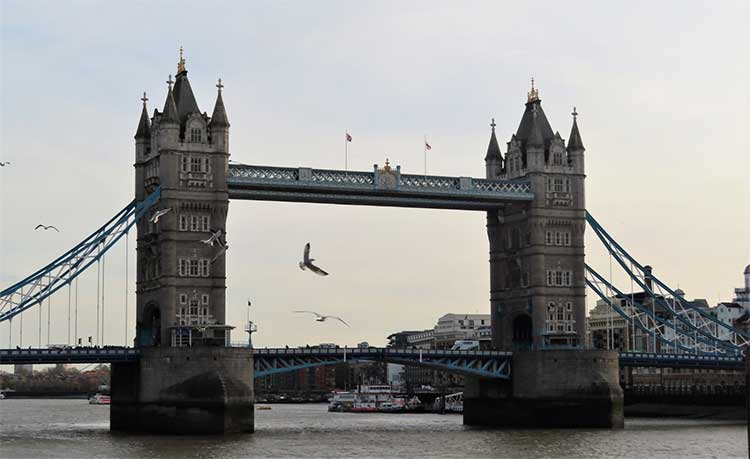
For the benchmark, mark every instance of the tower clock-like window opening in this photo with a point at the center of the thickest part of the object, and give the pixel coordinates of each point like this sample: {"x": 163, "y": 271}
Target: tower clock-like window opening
{"x": 557, "y": 158}
{"x": 195, "y": 135}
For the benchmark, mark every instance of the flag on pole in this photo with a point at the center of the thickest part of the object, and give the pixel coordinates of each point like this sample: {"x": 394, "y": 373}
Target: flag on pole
{"x": 348, "y": 137}
{"x": 427, "y": 146}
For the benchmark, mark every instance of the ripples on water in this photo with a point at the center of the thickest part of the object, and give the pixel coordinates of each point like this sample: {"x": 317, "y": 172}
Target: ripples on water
{"x": 73, "y": 429}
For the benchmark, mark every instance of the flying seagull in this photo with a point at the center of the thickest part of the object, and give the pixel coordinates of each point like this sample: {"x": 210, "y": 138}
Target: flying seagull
{"x": 322, "y": 318}
{"x": 158, "y": 214}
{"x": 213, "y": 238}
{"x": 223, "y": 249}
{"x": 307, "y": 263}
{"x": 3, "y": 164}
{"x": 45, "y": 227}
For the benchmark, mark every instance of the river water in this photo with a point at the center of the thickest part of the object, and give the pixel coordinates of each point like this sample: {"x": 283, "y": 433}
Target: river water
{"x": 75, "y": 429}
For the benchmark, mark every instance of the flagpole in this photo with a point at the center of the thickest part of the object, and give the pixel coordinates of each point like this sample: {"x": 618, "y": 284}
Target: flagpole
{"x": 424, "y": 145}
{"x": 346, "y": 150}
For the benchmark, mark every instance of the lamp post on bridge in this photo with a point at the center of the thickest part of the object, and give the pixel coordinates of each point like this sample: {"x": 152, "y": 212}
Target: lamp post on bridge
{"x": 250, "y": 327}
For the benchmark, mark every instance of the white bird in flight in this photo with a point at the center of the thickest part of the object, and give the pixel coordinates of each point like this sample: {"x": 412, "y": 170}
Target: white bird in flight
{"x": 223, "y": 249}
{"x": 307, "y": 263}
{"x": 322, "y": 318}
{"x": 46, "y": 227}
{"x": 3, "y": 164}
{"x": 213, "y": 238}
{"x": 158, "y": 214}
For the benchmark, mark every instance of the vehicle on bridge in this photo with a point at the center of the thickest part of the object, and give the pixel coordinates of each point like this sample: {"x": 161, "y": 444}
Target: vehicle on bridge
{"x": 465, "y": 345}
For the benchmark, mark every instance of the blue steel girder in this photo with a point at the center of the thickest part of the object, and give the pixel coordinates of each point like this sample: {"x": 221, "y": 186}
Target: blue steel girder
{"x": 712, "y": 331}
{"x": 63, "y": 270}
{"x": 69, "y": 355}
{"x": 488, "y": 364}
{"x": 645, "y": 359}
{"x": 492, "y": 364}
{"x": 266, "y": 183}
{"x": 638, "y": 310}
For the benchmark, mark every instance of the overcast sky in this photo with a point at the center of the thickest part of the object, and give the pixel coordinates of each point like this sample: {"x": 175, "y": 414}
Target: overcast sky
{"x": 661, "y": 88}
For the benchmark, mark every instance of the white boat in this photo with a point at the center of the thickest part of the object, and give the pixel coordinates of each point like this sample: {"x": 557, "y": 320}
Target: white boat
{"x": 99, "y": 399}
{"x": 370, "y": 399}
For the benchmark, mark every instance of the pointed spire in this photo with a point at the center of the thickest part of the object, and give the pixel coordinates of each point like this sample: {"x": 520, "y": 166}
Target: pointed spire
{"x": 170, "y": 109}
{"x": 493, "y": 149}
{"x": 533, "y": 95}
{"x": 535, "y": 133}
{"x": 574, "y": 141}
{"x": 181, "y": 63}
{"x": 183, "y": 95}
{"x": 144, "y": 125}
{"x": 219, "y": 117}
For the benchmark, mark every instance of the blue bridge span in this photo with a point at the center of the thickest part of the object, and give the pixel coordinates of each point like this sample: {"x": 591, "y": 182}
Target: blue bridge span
{"x": 270, "y": 361}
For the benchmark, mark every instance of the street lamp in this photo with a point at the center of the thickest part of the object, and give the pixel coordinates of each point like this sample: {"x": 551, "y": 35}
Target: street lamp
{"x": 250, "y": 328}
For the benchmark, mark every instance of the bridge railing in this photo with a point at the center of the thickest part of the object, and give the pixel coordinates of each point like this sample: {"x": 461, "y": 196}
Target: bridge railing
{"x": 378, "y": 352}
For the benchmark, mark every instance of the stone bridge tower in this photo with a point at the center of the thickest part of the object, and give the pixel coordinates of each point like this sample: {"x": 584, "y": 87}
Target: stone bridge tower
{"x": 181, "y": 281}
{"x": 537, "y": 289}
{"x": 188, "y": 380}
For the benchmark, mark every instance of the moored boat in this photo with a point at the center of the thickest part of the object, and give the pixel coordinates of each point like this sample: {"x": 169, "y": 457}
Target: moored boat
{"x": 371, "y": 399}
{"x": 99, "y": 399}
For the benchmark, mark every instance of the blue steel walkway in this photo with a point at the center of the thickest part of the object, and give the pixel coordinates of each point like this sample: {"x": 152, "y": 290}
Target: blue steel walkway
{"x": 376, "y": 188}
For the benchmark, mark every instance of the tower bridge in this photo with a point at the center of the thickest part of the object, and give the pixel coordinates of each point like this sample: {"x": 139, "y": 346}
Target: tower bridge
{"x": 183, "y": 376}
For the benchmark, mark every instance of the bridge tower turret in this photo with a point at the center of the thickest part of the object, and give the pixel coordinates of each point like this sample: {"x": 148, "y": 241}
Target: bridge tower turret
{"x": 493, "y": 161}
{"x": 142, "y": 149}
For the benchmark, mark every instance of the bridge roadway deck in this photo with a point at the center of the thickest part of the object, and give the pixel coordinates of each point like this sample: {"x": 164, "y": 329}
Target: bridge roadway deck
{"x": 266, "y": 183}
{"x": 292, "y": 358}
